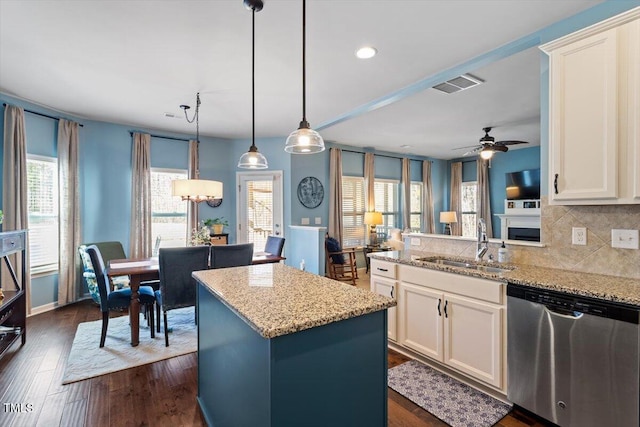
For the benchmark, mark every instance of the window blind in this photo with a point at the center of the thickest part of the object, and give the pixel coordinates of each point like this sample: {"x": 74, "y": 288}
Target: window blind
{"x": 353, "y": 228}
{"x": 168, "y": 213}
{"x": 387, "y": 202}
{"x": 42, "y": 194}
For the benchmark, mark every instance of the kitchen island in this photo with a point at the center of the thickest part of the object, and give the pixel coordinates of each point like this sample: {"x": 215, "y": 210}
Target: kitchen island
{"x": 282, "y": 347}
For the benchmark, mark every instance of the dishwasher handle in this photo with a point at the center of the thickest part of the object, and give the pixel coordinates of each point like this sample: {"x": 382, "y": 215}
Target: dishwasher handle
{"x": 567, "y": 314}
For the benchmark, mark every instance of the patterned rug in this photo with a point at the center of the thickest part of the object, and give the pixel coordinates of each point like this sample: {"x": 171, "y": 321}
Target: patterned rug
{"x": 87, "y": 359}
{"x": 453, "y": 402}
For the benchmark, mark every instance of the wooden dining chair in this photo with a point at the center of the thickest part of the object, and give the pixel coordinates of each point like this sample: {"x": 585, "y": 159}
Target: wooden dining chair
{"x": 341, "y": 263}
{"x": 177, "y": 286}
{"x": 117, "y": 299}
{"x": 224, "y": 256}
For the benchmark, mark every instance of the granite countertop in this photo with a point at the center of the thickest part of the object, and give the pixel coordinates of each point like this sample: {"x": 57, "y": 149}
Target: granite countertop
{"x": 610, "y": 288}
{"x": 275, "y": 299}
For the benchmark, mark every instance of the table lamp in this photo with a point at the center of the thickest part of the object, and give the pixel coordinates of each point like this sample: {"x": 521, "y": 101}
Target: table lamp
{"x": 373, "y": 219}
{"x": 448, "y": 218}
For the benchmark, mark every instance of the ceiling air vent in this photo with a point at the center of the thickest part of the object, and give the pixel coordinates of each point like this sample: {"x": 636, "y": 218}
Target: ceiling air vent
{"x": 459, "y": 83}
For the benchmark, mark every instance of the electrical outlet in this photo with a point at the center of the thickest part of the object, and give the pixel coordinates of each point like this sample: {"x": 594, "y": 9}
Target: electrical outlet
{"x": 305, "y": 221}
{"x": 625, "y": 239}
{"x": 579, "y": 236}
{"x": 415, "y": 241}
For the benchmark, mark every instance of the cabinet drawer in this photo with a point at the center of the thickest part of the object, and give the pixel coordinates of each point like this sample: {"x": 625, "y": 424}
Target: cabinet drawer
{"x": 383, "y": 268}
{"x": 474, "y": 287}
{"x": 13, "y": 243}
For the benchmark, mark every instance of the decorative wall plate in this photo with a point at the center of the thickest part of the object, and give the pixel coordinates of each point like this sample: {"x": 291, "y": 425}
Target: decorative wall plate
{"x": 310, "y": 192}
{"x": 214, "y": 203}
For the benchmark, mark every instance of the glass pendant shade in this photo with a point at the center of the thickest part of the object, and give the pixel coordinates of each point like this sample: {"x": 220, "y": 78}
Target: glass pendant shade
{"x": 304, "y": 140}
{"x": 253, "y": 159}
{"x": 196, "y": 190}
{"x": 486, "y": 153}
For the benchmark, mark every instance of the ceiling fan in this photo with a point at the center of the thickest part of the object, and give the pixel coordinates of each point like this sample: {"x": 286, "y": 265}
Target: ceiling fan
{"x": 488, "y": 145}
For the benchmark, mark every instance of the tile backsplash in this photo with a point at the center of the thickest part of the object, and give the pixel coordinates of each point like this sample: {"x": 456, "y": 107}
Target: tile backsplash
{"x": 597, "y": 256}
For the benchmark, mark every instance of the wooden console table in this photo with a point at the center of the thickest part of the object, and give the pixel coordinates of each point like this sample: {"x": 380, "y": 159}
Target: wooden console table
{"x": 13, "y": 308}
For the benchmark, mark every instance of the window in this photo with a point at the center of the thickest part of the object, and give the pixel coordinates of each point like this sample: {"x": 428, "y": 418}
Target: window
{"x": 42, "y": 209}
{"x": 353, "y": 228}
{"x": 416, "y": 207}
{"x": 469, "y": 208}
{"x": 386, "y": 195}
{"x": 168, "y": 213}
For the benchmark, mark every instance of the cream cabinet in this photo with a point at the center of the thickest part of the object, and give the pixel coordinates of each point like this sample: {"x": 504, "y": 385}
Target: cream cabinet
{"x": 594, "y": 113}
{"x": 456, "y": 320}
{"x": 383, "y": 282}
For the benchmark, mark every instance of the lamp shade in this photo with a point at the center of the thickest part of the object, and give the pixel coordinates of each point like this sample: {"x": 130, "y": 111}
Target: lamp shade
{"x": 253, "y": 159}
{"x": 486, "y": 153}
{"x": 373, "y": 218}
{"x": 304, "y": 140}
{"x": 196, "y": 190}
{"x": 448, "y": 217}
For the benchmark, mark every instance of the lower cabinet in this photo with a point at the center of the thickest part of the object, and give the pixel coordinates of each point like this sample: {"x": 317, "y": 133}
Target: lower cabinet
{"x": 457, "y": 320}
{"x": 383, "y": 275}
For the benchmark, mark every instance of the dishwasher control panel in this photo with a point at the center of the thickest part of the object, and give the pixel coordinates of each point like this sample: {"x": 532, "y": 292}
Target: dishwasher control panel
{"x": 574, "y": 304}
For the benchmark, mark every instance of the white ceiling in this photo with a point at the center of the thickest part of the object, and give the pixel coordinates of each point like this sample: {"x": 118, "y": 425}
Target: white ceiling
{"x": 132, "y": 61}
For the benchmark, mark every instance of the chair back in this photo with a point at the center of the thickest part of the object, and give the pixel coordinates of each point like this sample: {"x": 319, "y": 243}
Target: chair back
{"x": 223, "y": 256}
{"x": 177, "y": 287}
{"x": 274, "y": 245}
{"x": 102, "y": 280}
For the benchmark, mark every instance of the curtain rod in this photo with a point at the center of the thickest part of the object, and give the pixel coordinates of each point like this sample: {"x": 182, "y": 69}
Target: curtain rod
{"x": 160, "y": 136}
{"x": 41, "y": 114}
{"x": 381, "y": 155}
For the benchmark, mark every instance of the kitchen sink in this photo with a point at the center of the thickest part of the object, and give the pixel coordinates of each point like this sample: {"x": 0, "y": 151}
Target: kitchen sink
{"x": 466, "y": 265}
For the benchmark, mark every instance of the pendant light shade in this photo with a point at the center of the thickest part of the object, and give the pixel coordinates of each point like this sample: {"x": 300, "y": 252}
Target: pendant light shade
{"x": 253, "y": 159}
{"x": 304, "y": 140}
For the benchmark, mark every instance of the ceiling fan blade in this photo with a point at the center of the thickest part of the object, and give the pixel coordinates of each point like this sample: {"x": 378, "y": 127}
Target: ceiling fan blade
{"x": 498, "y": 147}
{"x": 468, "y": 146}
{"x": 511, "y": 142}
{"x": 475, "y": 150}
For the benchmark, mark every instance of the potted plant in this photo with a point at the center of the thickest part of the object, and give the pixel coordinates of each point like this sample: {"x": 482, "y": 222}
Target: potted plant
{"x": 216, "y": 225}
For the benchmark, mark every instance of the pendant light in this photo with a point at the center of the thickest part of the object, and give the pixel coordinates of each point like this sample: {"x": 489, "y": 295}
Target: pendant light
{"x": 304, "y": 140}
{"x": 196, "y": 190}
{"x": 253, "y": 159}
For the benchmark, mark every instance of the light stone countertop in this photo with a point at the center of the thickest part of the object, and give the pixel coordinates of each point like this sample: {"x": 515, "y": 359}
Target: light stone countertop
{"x": 610, "y": 288}
{"x": 275, "y": 299}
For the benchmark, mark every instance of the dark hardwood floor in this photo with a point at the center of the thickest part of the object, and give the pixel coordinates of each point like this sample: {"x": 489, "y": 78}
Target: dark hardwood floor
{"x": 158, "y": 394}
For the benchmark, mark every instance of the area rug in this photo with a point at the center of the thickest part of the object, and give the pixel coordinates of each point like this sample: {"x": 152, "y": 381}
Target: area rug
{"x": 453, "y": 402}
{"x": 87, "y": 359}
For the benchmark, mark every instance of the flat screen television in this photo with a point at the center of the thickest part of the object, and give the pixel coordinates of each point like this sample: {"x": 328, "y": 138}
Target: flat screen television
{"x": 523, "y": 185}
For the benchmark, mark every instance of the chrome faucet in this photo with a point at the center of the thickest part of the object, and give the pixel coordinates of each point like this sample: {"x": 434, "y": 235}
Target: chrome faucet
{"x": 482, "y": 245}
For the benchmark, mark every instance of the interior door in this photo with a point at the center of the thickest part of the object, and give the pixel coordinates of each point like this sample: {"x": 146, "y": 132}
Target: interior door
{"x": 259, "y": 207}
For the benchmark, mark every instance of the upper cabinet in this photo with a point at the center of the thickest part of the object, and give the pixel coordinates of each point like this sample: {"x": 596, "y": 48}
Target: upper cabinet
{"x": 594, "y": 114}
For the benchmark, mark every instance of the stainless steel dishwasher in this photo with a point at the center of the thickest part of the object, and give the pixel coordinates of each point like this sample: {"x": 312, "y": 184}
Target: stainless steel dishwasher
{"x": 573, "y": 360}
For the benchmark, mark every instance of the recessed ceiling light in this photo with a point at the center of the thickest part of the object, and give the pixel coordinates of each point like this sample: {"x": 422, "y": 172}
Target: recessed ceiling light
{"x": 366, "y": 52}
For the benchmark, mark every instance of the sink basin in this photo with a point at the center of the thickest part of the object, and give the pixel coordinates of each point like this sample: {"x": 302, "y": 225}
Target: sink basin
{"x": 467, "y": 265}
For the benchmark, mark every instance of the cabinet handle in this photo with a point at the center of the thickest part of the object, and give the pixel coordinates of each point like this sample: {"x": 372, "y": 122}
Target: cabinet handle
{"x": 382, "y": 269}
{"x": 445, "y": 309}
{"x": 439, "y": 302}
{"x": 555, "y": 184}
{"x": 392, "y": 287}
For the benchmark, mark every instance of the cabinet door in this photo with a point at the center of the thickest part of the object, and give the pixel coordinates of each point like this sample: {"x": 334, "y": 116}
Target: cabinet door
{"x": 388, "y": 288}
{"x": 584, "y": 119}
{"x": 420, "y": 319}
{"x": 473, "y": 338}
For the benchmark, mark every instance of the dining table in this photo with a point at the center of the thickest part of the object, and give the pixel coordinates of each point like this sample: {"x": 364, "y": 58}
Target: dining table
{"x": 147, "y": 269}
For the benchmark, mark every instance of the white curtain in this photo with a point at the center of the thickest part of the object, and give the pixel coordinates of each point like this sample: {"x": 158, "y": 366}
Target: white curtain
{"x": 68, "y": 211}
{"x": 335, "y": 194}
{"x": 484, "y": 194}
{"x": 194, "y": 173}
{"x": 140, "y": 233}
{"x": 406, "y": 194}
{"x": 427, "y": 199}
{"x": 456, "y": 197}
{"x": 369, "y": 180}
{"x": 14, "y": 187}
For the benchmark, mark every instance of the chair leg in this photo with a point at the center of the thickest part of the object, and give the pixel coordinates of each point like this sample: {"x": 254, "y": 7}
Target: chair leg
{"x": 158, "y": 318}
{"x": 105, "y": 323}
{"x": 152, "y": 327}
{"x": 166, "y": 331}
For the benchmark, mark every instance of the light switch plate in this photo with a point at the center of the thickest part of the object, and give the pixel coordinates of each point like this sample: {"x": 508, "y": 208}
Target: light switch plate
{"x": 625, "y": 239}
{"x": 579, "y": 236}
{"x": 318, "y": 220}
{"x": 305, "y": 221}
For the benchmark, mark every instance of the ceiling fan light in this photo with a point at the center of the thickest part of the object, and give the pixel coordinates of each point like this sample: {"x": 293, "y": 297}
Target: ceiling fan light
{"x": 486, "y": 153}
{"x": 304, "y": 140}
